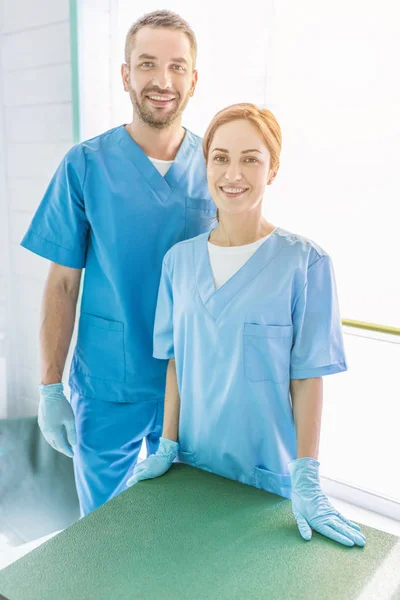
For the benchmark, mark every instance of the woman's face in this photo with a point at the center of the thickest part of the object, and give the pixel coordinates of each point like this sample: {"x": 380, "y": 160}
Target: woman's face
{"x": 237, "y": 167}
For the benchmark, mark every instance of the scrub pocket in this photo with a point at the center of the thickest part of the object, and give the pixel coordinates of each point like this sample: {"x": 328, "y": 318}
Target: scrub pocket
{"x": 272, "y": 482}
{"x": 267, "y": 352}
{"x": 200, "y": 216}
{"x": 100, "y": 348}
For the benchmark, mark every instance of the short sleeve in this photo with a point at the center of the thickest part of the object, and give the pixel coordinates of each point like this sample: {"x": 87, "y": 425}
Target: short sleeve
{"x": 163, "y": 341}
{"x": 59, "y": 228}
{"x": 318, "y": 340}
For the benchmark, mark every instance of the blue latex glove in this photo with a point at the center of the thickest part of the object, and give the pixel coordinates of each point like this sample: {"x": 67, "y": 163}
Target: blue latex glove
{"x": 312, "y": 509}
{"x": 157, "y": 464}
{"x": 56, "y": 418}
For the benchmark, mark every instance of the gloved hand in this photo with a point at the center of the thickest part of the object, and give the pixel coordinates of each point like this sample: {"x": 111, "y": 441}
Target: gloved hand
{"x": 312, "y": 509}
{"x": 157, "y": 464}
{"x": 56, "y": 418}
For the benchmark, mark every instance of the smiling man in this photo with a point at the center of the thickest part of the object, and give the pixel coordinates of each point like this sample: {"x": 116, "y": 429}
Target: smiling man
{"x": 114, "y": 207}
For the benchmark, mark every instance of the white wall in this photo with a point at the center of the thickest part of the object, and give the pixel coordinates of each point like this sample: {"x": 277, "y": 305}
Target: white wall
{"x": 95, "y": 66}
{"x": 36, "y": 112}
{"x": 4, "y": 263}
{"x": 337, "y": 96}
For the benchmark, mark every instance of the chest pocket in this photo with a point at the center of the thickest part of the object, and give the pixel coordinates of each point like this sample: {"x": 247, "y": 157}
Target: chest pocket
{"x": 100, "y": 348}
{"x": 267, "y": 352}
{"x": 200, "y": 216}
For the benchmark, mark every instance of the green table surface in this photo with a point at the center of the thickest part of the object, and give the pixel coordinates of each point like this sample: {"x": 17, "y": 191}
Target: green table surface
{"x": 193, "y": 535}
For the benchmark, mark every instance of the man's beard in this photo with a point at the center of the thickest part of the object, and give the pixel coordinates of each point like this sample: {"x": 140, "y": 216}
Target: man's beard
{"x": 157, "y": 121}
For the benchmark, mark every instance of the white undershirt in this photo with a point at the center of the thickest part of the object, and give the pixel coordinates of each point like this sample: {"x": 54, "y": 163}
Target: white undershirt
{"x": 162, "y": 166}
{"x": 225, "y": 261}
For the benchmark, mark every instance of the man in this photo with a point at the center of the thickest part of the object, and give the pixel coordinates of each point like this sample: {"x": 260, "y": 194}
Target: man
{"x": 115, "y": 205}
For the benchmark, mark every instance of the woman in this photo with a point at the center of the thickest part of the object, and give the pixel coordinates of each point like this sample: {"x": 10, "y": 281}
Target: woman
{"x": 248, "y": 318}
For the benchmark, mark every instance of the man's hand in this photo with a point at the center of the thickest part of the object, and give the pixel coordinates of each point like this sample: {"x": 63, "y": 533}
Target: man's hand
{"x": 56, "y": 418}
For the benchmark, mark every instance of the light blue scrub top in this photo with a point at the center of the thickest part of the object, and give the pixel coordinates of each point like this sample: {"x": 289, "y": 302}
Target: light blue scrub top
{"x": 108, "y": 210}
{"x": 236, "y": 350}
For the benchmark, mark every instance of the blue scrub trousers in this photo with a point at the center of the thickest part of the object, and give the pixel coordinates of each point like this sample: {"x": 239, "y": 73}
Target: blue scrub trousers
{"x": 109, "y": 438}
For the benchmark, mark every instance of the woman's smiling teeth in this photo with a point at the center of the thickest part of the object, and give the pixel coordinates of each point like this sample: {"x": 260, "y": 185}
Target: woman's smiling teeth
{"x": 233, "y": 191}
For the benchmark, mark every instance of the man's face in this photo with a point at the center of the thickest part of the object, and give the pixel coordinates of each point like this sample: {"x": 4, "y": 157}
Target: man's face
{"x": 160, "y": 78}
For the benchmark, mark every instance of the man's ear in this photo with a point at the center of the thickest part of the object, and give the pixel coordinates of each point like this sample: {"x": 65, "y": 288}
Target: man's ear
{"x": 195, "y": 78}
{"x": 125, "y": 76}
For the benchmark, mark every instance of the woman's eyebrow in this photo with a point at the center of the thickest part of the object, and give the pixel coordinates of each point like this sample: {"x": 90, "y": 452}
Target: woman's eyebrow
{"x": 243, "y": 152}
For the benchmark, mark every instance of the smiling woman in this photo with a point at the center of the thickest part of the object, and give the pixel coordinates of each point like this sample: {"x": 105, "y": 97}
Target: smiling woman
{"x": 248, "y": 343}
{"x": 238, "y": 172}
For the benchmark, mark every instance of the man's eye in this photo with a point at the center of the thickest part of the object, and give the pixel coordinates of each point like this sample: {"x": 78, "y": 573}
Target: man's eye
{"x": 178, "y": 67}
{"x": 146, "y": 64}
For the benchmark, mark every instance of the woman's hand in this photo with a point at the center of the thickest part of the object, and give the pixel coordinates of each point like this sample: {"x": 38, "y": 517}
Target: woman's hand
{"x": 157, "y": 464}
{"x": 312, "y": 509}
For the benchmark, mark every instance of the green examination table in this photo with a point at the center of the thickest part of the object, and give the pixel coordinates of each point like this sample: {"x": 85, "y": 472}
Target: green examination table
{"x": 196, "y": 536}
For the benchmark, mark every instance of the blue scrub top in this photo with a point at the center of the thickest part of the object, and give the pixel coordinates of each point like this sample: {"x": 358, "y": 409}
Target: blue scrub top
{"x": 108, "y": 210}
{"x": 237, "y": 348}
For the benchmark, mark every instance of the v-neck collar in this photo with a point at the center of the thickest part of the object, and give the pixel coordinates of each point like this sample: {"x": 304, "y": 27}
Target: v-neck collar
{"x": 163, "y": 185}
{"x": 217, "y": 300}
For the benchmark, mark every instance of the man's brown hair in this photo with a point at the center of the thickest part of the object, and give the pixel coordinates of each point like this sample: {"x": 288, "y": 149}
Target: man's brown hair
{"x": 161, "y": 19}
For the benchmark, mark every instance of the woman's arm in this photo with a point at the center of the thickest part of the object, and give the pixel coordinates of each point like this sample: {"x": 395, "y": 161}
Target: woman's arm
{"x": 159, "y": 463}
{"x": 307, "y": 408}
{"x": 172, "y": 404}
{"x": 311, "y": 508}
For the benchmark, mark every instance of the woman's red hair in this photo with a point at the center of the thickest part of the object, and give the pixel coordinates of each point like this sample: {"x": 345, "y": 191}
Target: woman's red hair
{"x": 263, "y": 119}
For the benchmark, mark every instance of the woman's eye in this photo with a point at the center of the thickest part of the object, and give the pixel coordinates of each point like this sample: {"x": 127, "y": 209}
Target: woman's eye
{"x": 248, "y": 159}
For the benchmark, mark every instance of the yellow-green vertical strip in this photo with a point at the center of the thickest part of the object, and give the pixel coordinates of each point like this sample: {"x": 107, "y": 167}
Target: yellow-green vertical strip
{"x": 73, "y": 34}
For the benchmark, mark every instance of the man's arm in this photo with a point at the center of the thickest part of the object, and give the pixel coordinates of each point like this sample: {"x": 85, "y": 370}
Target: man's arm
{"x": 57, "y": 320}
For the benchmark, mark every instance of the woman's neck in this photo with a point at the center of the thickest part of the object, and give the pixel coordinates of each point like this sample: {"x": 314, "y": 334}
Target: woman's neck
{"x": 239, "y": 233}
